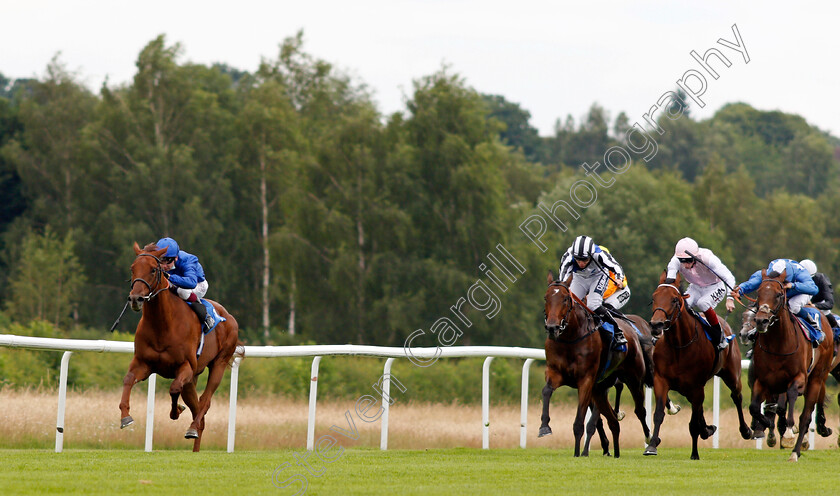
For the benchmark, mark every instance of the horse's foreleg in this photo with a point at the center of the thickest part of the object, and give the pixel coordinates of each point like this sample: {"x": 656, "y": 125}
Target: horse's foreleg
{"x": 731, "y": 376}
{"x": 182, "y": 377}
{"x": 552, "y": 382}
{"x": 761, "y": 421}
{"x": 822, "y": 429}
{"x": 812, "y": 392}
{"x": 137, "y": 371}
{"x": 584, "y": 400}
{"x": 591, "y": 427}
{"x": 660, "y": 391}
{"x": 697, "y": 426}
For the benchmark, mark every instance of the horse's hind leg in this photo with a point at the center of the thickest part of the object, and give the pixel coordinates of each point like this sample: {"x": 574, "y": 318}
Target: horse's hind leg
{"x": 217, "y": 371}
{"x": 697, "y": 426}
{"x": 619, "y": 387}
{"x": 639, "y": 408}
{"x": 137, "y": 371}
{"x": 822, "y": 429}
{"x": 787, "y": 424}
{"x": 603, "y": 404}
{"x": 591, "y": 427}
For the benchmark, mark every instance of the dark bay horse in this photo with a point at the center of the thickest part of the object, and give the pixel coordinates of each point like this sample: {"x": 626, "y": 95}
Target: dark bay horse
{"x": 785, "y": 362}
{"x": 166, "y": 343}
{"x": 684, "y": 360}
{"x": 579, "y": 357}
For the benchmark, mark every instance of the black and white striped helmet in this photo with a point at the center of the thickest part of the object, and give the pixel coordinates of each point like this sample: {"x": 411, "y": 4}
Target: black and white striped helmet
{"x": 582, "y": 247}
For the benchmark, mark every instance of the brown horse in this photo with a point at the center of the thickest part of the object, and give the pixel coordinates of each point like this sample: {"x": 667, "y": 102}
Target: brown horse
{"x": 683, "y": 360}
{"x": 785, "y": 361}
{"x": 578, "y": 356}
{"x": 167, "y": 339}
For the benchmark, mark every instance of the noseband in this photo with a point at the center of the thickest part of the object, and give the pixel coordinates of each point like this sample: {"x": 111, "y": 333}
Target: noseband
{"x": 153, "y": 290}
{"x": 676, "y": 314}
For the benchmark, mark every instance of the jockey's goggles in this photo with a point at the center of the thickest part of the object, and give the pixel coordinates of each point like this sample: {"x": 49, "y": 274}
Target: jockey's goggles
{"x": 581, "y": 259}
{"x": 685, "y": 260}
{"x": 167, "y": 260}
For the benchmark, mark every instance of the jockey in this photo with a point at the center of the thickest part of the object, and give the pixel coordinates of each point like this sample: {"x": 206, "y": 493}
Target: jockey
{"x": 593, "y": 269}
{"x": 824, "y": 299}
{"x": 798, "y": 283}
{"x": 707, "y": 282}
{"x": 186, "y": 276}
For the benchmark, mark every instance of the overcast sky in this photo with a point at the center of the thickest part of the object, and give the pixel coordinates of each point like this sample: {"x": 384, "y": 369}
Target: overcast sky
{"x": 552, "y": 57}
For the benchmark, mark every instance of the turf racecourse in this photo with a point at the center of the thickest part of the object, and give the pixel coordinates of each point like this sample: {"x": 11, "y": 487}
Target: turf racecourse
{"x": 447, "y": 472}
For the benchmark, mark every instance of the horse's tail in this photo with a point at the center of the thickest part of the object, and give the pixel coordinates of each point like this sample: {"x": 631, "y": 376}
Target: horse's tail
{"x": 647, "y": 353}
{"x": 238, "y": 352}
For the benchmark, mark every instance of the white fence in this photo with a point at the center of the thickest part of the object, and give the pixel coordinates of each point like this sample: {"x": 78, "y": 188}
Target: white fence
{"x": 68, "y": 346}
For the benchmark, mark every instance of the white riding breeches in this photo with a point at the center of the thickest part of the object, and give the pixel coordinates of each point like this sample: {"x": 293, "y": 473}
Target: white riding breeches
{"x": 702, "y": 298}
{"x": 199, "y": 290}
{"x": 795, "y": 303}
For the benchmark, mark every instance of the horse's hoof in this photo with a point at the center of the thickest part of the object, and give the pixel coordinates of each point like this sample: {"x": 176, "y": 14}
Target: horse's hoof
{"x": 607, "y": 453}
{"x": 710, "y": 429}
{"x": 675, "y": 409}
{"x": 805, "y": 444}
{"x": 771, "y": 441}
{"x": 695, "y": 456}
{"x": 795, "y": 429}
{"x": 788, "y": 443}
{"x": 544, "y": 431}
{"x": 746, "y": 433}
{"x": 175, "y": 414}
{"x": 823, "y": 430}
{"x": 770, "y": 408}
{"x": 126, "y": 421}
{"x": 191, "y": 434}
{"x": 650, "y": 451}
{"x": 620, "y": 415}
{"x": 793, "y": 457}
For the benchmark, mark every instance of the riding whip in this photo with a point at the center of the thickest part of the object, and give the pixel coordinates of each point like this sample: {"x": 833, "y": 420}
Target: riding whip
{"x": 118, "y": 318}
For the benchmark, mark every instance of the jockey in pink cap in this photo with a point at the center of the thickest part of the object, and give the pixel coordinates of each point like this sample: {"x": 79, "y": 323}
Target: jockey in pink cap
{"x": 707, "y": 281}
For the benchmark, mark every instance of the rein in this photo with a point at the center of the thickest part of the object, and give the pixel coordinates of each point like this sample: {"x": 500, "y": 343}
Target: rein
{"x": 774, "y": 317}
{"x": 158, "y": 276}
{"x": 564, "y": 324}
{"x": 669, "y": 320}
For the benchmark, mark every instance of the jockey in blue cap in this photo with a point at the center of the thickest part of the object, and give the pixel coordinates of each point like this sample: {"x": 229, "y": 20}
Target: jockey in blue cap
{"x": 798, "y": 283}
{"x": 186, "y": 276}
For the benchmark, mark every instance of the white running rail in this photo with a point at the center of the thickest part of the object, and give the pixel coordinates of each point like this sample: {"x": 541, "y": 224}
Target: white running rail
{"x": 68, "y": 346}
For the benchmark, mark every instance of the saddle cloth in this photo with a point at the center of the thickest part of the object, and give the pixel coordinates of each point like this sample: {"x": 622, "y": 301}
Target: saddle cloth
{"x": 707, "y": 327}
{"x": 211, "y": 311}
{"x": 811, "y": 334}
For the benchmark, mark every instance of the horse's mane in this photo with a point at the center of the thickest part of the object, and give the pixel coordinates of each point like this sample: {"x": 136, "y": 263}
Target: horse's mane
{"x": 151, "y": 247}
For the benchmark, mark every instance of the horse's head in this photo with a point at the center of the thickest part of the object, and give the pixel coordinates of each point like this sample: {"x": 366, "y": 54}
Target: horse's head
{"x": 770, "y": 299}
{"x": 747, "y": 323}
{"x": 146, "y": 275}
{"x": 668, "y": 302}
{"x": 558, "y": 306}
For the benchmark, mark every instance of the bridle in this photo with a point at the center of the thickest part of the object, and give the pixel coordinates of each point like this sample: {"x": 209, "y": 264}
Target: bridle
{"x": 774, "y": 317}
{"x": 669, "y": 320}
{"x": 566, "y": 301}
{"x": 153, "y": 290}
{"x": 569, "y": 299}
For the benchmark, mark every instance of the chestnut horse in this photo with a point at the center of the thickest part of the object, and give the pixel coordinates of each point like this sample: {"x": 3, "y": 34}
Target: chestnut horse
{"x": 167, "y": 339}
{"x": 579, "y": 357}
{"x": 684, "y": 360}
{"x": 784, "y": 360}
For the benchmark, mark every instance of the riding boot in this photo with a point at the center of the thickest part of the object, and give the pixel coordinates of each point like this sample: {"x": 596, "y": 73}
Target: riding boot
{"x": 199, "y": 310}
{"x": 618, "y": 335}
{"x": 716, "y": 332}
{"x": 831, "y": 320}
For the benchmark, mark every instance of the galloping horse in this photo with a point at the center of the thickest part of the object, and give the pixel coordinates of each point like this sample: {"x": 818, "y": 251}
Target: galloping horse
{"x": 684, "y": 361}
{"x": 783, "y": 403}
{"x": 578, "y": 356}
{"x": 785, "y": 361}
{"x": 167, "y": 339}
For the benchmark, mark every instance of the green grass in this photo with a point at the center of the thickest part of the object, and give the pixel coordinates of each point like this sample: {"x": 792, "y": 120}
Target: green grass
{"x": 455, "y": 471}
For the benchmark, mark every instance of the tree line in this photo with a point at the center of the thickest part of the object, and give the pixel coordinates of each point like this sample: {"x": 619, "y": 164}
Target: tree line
{"x": 319, "y": 219}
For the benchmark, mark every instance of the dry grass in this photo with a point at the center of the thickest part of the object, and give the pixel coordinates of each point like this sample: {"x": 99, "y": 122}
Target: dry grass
{"x": 27, "y": 420}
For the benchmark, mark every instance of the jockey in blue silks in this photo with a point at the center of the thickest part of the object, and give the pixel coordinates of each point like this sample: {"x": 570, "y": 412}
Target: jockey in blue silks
{"x": 186, "y": 276}
{"x": 798, "y": 283}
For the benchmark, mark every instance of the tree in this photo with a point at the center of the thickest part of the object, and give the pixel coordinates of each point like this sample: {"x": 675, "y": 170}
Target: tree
{"x": 46, "y": 281}
{"x": 518, "y": 132}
